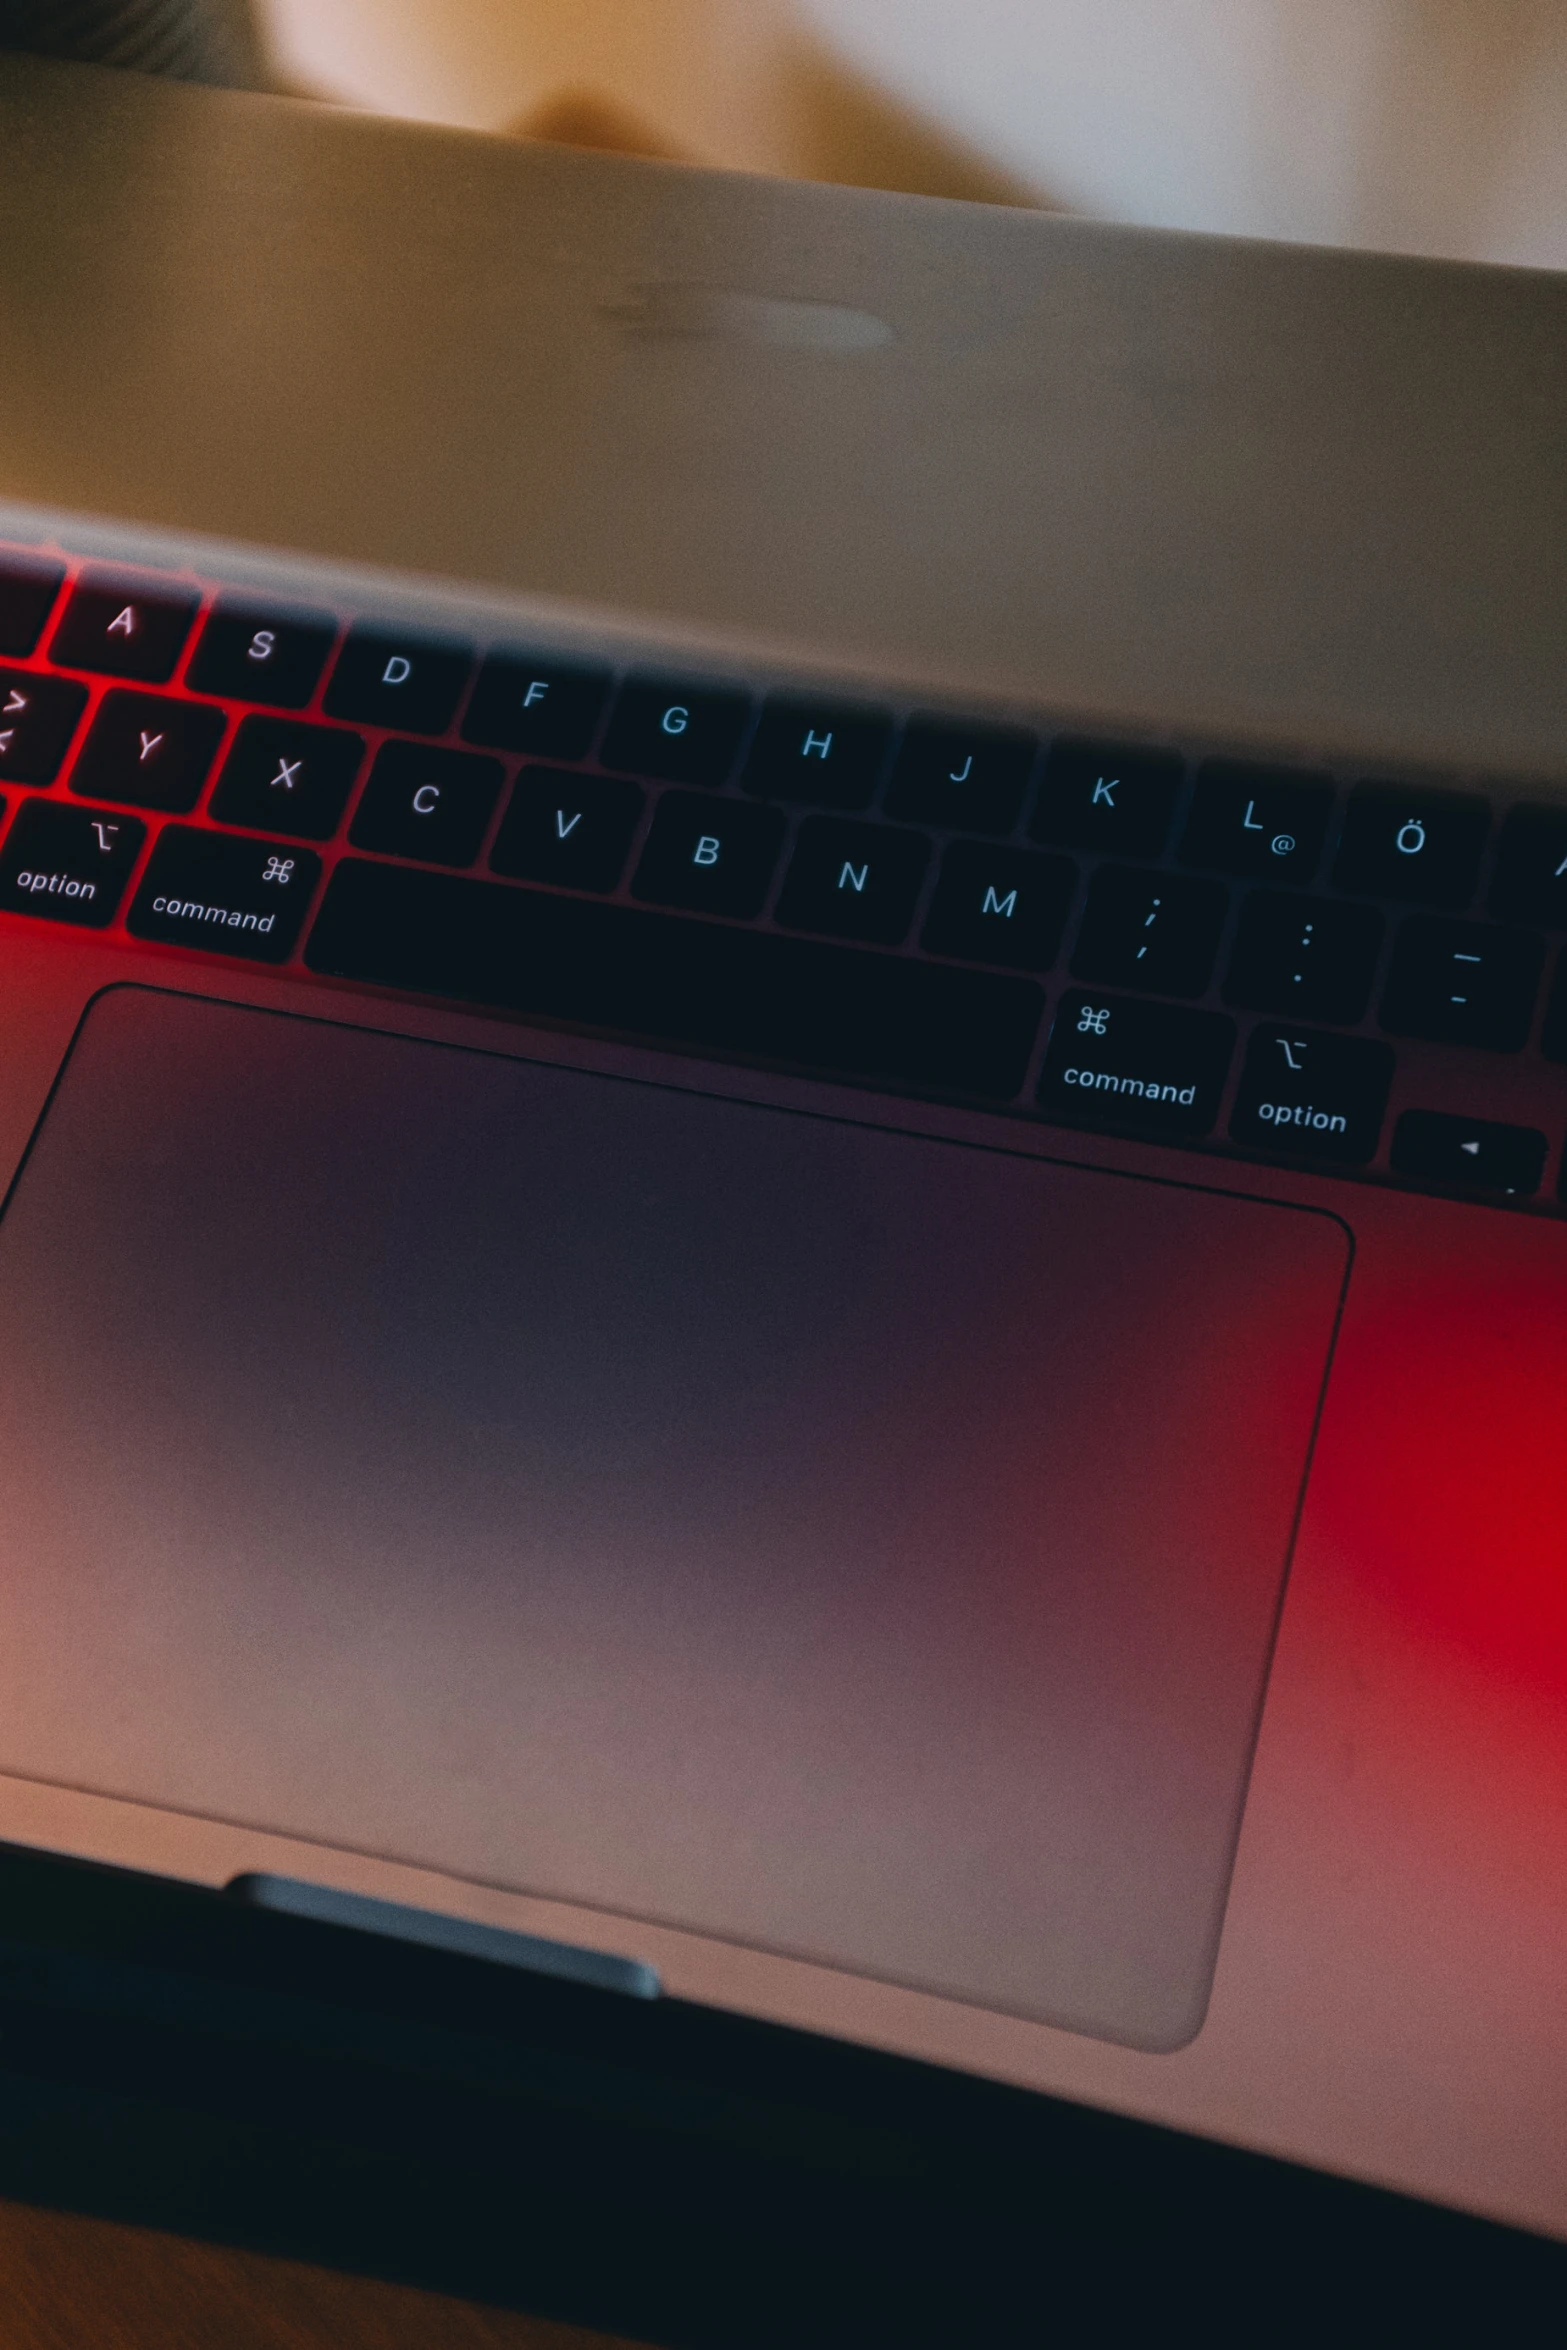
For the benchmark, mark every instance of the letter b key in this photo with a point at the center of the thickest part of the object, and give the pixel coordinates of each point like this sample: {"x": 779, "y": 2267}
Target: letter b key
{"x": 714, "y": 856}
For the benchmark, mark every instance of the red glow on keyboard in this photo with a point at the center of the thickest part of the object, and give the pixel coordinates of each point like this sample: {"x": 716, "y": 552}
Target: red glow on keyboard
{"x": 178, "y": 688}
{"x": 1445, "y": 1476}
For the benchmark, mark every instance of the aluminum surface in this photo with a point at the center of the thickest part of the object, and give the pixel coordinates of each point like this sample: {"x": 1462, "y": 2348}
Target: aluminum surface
{"x": 1188, "y": 482}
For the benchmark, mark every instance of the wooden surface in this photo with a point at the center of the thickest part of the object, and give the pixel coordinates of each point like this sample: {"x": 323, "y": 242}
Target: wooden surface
{"x": 68, "y": 2283}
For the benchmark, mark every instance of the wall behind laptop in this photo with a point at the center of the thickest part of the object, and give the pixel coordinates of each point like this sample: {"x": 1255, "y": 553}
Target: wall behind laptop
{"x": 1430, "y": 126}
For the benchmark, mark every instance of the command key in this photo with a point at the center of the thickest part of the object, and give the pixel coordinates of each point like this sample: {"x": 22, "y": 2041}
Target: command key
{"x": 1116, "y": 1061}
{"x": 231, "y": 896}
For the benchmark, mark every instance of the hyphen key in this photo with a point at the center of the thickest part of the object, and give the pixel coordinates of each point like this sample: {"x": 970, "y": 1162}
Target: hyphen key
{"x": 678, "y": 980}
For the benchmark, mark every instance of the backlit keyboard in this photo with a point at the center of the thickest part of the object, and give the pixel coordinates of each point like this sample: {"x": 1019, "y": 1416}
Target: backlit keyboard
{"x": 1362, "y": 974}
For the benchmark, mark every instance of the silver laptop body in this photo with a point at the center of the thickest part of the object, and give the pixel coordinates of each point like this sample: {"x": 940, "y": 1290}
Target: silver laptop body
{"x": 784, "y": 1069}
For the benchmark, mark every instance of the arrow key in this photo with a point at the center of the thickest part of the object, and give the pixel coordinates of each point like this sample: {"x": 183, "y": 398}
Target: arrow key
{"x": 1468, "y": 1154}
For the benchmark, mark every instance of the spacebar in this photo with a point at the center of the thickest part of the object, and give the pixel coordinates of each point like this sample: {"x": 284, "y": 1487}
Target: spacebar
{"x": 746, "y": 992}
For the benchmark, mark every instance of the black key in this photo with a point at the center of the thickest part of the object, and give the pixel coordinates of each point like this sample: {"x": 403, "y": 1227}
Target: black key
{"x": 287, "y": 777}
{"x": 37, "y": 719}
{"x": 1463, "y": 983}
{"x": 28, "y": 586}
{"x": 1114, "y": 1061}
{"x": 853, "y": 880}
{"x": 1530, "y": 884}
{"x": 1005, "y": 906}
{"x": 228, "y": 896}
{"x": 676, "y": 733}
{"x": 715, "y": 856}
{"x": 1422, "y": 847}
{"x": 399, "y": 678}
{"x": 1257, "y": 821}
{"x": 1467, "y": 1154}
{"x": 534, "y": 702}
{"x": 1155, "y": 930}
{"x": 259, "y": 653}
{"x": 969, "y": 777}
{"x": 1553, "y": 1037}
{"x": 569, "y": 828}
{"x": 149, "y": 750}
{"x": 829, "y": 754}
{"x": 1310, "y": 957}
{"x": 124, "y": 627}
{"x": 70, "y": 864}
{"x": 1102, "y": 796}
{"x": 1315, "y": 1096}
{"x": 703, "y": 985}
{"x": 433, "y": 805}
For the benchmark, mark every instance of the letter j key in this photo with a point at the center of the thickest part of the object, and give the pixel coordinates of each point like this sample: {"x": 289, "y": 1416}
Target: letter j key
{"x": 969, "y": 777}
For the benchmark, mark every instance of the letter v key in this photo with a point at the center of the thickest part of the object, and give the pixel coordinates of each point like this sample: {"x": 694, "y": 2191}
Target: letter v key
{"x": 565, "y": 823}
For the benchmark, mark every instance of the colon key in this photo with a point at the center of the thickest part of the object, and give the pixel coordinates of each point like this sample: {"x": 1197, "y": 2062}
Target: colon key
{"x": 1311, "y": 957}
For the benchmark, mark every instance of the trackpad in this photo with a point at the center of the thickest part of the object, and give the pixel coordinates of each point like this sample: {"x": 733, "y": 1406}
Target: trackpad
{"x": 862, "y": 1546}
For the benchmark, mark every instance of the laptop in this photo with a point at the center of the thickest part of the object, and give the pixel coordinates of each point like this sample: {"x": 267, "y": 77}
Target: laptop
{"x": 783, "y": 1083}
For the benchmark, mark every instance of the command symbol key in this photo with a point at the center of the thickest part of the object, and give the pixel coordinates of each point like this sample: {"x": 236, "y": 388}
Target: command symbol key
{"x": 1117, "y": 1061}
{"x": 229, "y": 896}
